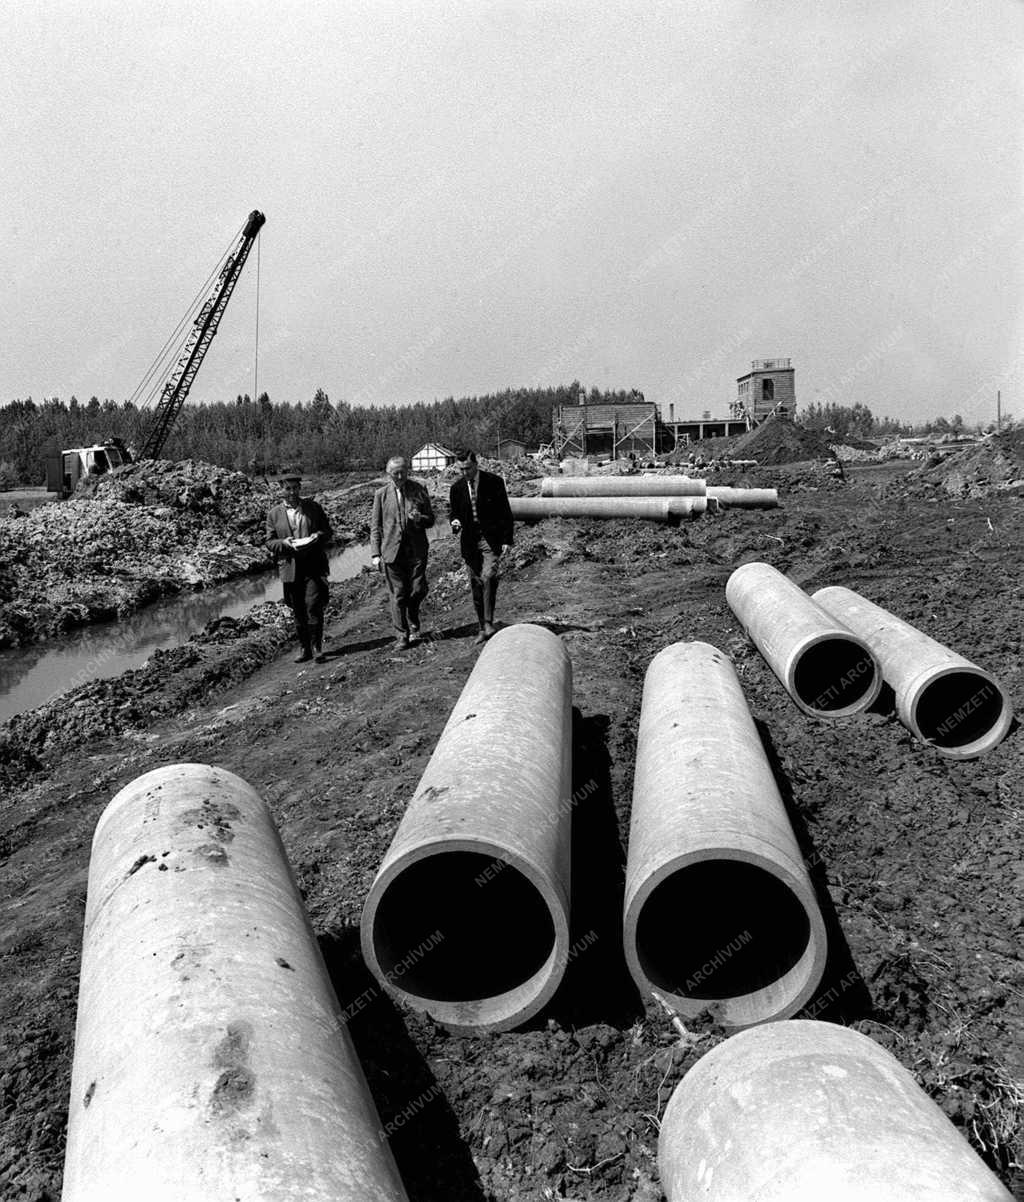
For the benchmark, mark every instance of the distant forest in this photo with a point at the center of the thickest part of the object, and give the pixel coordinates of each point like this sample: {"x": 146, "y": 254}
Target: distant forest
{"x": 320, "y": 434}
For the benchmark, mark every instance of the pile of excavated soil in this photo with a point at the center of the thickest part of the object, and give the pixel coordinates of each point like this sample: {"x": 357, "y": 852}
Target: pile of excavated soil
{"x": 76, "y": 562}
{"x": 189, "y": 485}
{"x": 916, "y": 858}
{"x": 143, "y": 531}
{"x": 775, "y": 440}
{"x": 778, "y": 440}
{"x": 994, "y": 465}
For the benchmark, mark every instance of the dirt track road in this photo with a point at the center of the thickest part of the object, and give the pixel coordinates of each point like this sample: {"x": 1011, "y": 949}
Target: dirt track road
{"x": 918, "y": 859}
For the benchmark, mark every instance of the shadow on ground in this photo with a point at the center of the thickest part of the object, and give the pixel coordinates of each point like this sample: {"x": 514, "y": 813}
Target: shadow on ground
{"x": 597, "y": 987}
{"x": 421, "y": 1127}
{"x": 842, "y": 995}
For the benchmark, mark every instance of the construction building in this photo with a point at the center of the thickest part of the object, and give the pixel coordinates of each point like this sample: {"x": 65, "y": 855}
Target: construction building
{"x": 692, "y": 429}
{"x": 766, "y": 389}
{"x": 613, "y": 431}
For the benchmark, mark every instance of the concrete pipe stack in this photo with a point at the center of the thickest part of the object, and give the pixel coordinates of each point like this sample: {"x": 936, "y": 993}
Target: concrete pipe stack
{"x": 719, "y": 910}
{"x": 211, "y": 1056}
{"x": 478, "y": 871}
{"x": 807, "y": 1111}
{"x": 653, "y": 509}
{"x": 622, "y": 486}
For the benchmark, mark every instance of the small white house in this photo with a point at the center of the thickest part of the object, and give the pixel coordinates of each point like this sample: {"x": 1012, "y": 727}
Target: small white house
{"x": 432, "y": 458}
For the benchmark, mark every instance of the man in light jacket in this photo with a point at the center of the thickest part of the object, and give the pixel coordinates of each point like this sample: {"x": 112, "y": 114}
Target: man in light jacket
{"x": 398, "y": 545}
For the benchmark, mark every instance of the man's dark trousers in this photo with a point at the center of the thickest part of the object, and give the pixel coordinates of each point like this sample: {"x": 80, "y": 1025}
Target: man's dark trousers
{"x": 307, "y": 596}
{"x": 482, "y": 565}
{"x": 407, "y": 584}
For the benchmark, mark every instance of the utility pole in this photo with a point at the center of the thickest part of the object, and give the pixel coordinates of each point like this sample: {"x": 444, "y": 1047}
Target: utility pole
{"x": 999, "y": 410}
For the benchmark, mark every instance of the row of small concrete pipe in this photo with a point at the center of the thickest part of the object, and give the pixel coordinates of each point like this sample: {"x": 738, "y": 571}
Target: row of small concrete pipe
{"x": 832, "y": 651}
{"x": 655, "y": 498}
{"x": 212, "y": 1058}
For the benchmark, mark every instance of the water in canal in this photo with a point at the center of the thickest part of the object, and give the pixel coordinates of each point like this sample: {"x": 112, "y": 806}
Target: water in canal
{"x": 30, "y": 676}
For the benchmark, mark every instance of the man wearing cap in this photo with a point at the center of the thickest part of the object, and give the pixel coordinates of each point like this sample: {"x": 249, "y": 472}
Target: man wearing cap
{"x": 398, "y": 546}
{"x": 298, "y": 531}
{"x": 482, "y": 517}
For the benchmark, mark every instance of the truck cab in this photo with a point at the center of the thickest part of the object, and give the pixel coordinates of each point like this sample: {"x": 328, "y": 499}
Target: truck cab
{"x": 64, "y": 471}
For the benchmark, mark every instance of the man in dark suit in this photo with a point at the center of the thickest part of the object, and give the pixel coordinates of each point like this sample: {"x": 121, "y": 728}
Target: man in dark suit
{"x": 482, "y": 518}
{"x": 398, "y": 546}
{"x": 298, "y": 531}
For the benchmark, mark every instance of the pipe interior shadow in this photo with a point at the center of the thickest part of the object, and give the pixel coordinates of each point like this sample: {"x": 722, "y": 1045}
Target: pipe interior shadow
{"x": 597, "y": 987}
{"x": 433, "y": 1159}
{"x": 461, "y": 926}
{"x": 842, "y": 995}
{"x": 884, "y": 703}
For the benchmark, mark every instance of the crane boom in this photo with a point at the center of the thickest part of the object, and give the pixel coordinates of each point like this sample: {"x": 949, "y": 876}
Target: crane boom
{"x": 198, "y": 342}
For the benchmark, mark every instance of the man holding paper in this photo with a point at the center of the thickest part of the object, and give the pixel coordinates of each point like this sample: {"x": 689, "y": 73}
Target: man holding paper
{"x": 299, "y": 532}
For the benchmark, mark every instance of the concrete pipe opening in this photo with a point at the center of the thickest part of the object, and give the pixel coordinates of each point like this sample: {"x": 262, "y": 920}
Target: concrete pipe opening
{"x": 961, "y": 711}
{"x": 462, "y": 926}
{"x": 728, "y": 932}
{"x": 835, "y": 676}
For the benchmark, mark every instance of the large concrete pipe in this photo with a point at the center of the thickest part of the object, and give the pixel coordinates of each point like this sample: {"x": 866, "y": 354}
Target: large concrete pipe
{"x": 654, "y": 509}
{"x": 478, "y": 871}
{"x": 211, "y": 1058}
{"x": 622, "y": 486}
{"x": 720, "y": 913}
{"x": 825, "y": 667}
{"x": 944, "y": 699}
{"x": 744, "y": 498}
{"x": 808, "y": 1111}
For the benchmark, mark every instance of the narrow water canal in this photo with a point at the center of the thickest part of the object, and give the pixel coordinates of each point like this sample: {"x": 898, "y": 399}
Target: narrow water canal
{"x": 29, "y": 676}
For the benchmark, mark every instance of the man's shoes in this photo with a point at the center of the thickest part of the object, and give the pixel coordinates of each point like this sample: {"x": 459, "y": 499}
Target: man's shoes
{"x": 414, "y": 632}
{"x": 402, "y": 644}
{"x": 480, "y": 638}
{"x": 304, "y": 656}
{"x": 320, "y": 658}
{"x": 489, "y": 629}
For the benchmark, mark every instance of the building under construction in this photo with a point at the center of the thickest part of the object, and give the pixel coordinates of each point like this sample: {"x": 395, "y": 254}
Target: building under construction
{"x": 612, "y": 430}
{"x": 635, "y": 426}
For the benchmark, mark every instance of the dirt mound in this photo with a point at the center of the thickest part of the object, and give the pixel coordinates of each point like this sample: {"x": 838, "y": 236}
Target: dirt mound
{"x": 143, "y": 531}
{"x": 775, "y": 440}
{"x": 778, "y": 440}
{"x": 190, "y": 485}
{"x": 994, "y": 465}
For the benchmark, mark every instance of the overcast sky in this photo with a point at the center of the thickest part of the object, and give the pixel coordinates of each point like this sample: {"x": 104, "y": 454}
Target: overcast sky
{"x": 466, "y": 197}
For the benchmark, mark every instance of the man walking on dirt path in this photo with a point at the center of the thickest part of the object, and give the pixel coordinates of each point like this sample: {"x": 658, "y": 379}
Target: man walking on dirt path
{"x": 299, "y": 532}
{"x": 482, "y": 517}
{"x": 398, "y": 546}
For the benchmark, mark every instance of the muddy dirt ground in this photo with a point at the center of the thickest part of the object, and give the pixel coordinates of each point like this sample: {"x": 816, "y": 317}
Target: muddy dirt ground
{"x": 917, "y": 859}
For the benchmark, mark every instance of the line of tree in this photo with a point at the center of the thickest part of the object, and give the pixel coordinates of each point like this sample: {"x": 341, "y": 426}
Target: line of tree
{"x": 247, "y": 435}
{"x": 262, "y": 434}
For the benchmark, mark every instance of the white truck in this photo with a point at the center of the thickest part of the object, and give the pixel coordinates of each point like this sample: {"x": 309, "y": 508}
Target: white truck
{"x": 64, "y": 471}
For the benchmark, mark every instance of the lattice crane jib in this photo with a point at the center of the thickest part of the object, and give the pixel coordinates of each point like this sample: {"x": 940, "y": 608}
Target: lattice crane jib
{"x": 176, "y": 390}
